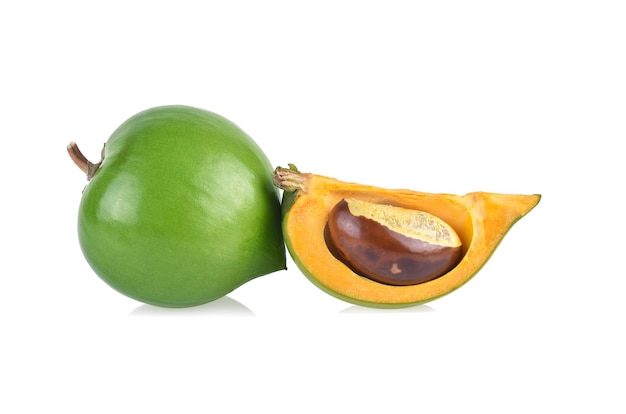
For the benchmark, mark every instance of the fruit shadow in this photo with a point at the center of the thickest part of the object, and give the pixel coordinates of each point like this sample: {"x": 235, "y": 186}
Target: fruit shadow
{"x": 367, "y": 310}
{"x": 225, "y": 306}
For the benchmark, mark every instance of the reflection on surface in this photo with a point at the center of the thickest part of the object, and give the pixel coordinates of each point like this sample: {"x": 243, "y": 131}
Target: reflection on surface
{"x": 365, "y": 309}
{"x": 223, "y": 306}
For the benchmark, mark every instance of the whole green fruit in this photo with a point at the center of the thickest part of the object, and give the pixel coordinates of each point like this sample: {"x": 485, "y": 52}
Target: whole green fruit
{"x": 181, "y": 210}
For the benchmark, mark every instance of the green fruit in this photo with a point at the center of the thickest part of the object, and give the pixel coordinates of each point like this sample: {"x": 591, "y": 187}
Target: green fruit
{"x": 181, "y": 210}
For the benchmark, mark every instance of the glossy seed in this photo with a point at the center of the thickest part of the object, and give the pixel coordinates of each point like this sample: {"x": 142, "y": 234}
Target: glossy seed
{"x": 391, "y": 245}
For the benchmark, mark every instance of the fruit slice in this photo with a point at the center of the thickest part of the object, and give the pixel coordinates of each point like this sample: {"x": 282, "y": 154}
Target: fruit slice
{"x": 181, "y": 210}
{"x": 480, "y": 220}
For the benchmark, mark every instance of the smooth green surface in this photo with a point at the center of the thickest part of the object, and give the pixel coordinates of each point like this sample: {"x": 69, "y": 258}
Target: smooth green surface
{"x": 182, "y": 210}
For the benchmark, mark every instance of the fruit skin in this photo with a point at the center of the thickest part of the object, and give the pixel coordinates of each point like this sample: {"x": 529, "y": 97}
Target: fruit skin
{"x": 182, "y": 210}
{"x": 480, "y": 219}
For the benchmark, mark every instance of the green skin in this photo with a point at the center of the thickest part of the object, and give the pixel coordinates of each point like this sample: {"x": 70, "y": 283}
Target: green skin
{"x": 182, "y": 209}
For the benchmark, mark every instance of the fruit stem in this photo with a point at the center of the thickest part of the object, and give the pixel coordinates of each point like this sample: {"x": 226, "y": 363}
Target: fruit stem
{"x": 86, "y": 166}
{"x": 289, "y": 179}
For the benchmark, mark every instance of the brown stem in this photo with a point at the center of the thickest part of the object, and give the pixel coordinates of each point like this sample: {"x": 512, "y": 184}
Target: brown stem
{"x": 289, "y": 179}
{"x": 82, "y": 162}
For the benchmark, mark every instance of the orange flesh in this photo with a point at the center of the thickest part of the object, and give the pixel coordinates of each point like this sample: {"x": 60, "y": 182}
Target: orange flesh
{"x": 480, "y": 219}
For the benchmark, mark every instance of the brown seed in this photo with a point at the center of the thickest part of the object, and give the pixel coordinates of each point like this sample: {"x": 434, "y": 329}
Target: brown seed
{"x": 391, "y": 245}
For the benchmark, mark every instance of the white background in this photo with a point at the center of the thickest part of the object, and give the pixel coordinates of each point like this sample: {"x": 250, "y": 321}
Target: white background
{"x": 445, "y": 96}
